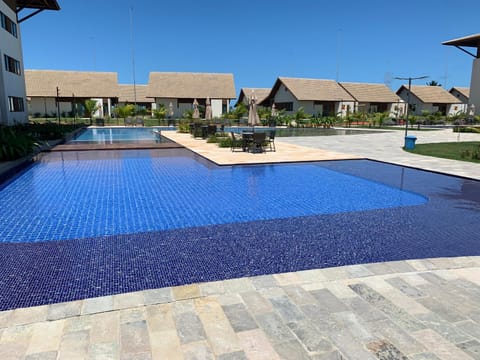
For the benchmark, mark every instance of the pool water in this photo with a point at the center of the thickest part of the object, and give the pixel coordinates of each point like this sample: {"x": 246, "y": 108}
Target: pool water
{"x": 111, "y": 135}
{"x": 175, "y": 219}
{"x": 69, "y": 196}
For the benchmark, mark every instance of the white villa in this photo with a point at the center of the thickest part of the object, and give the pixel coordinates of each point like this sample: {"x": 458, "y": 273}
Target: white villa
{"x": 259, "y": 93}
{"x": 47, "y": 88}
{"x": 430, "y": 98}
{"x": 462, "y": 94}
{"x": 372, "y": 98}
{"x": 315, "y": 96}
{"x": 182, "y": 89}
{"x": 13, "y": 106}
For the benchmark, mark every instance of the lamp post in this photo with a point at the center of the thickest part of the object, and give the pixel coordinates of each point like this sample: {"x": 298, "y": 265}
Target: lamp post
{"x": 408, "y": 96}
{"x": 58, "y": 105}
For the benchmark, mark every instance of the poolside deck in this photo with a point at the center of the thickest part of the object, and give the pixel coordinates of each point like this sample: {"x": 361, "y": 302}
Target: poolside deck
{"x": 284, "y": 152}
{"x": 415, "y": 309}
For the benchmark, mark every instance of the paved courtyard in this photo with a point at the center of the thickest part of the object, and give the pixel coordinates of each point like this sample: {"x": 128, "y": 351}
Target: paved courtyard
{"x": 415, "y": 309}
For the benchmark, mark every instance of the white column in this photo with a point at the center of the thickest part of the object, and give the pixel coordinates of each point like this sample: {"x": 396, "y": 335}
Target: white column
{"x": 475, "y": 86}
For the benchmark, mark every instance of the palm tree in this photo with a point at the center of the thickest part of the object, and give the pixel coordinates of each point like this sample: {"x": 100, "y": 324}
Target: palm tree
{"x": 125, "y": 111}
{"x": 433, "y": 83}
{"x": 91, "y": 106}
{"x": 160, "y": 112}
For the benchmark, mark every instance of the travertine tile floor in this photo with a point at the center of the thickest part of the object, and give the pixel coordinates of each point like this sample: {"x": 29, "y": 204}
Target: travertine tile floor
{"x": 415, "y": 309}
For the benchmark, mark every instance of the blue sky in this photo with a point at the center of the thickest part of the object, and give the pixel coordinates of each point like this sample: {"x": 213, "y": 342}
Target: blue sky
{"x": 359, "y": 41}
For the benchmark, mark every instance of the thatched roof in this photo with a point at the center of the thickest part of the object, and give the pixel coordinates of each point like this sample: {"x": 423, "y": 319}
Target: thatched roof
{"x": 465, "y": 91}
{"x": 44, "y": 83}
{"x": 313, "y": 89}
{"x": 431, "y": 94}
{"x": 127, "y": 94}
{"x": 372, "y": 93}
{"x": 260, "y": 93}
{"x": 191, "y": 85}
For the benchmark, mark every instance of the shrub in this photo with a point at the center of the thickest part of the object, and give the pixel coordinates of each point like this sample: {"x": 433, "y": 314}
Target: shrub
{"x": 466, "y": 129}
{"x": 473, "y": 154}
{"x": 183, "y": 126}
{"x": 14, "y": 144}
{"x": 224, "y": 142}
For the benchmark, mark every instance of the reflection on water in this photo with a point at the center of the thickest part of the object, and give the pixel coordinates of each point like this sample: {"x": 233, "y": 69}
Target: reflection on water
{"x": 467, "y": 193}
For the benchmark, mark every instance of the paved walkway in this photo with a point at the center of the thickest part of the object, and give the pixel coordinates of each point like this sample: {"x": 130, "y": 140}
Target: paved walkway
{"x": 418, "y": 309}
{"x": 415, "y": 309}
{"x": 388, "y": 147}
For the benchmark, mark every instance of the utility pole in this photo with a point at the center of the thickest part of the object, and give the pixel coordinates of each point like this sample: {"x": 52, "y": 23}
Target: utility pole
{"x": 58, "y": 105}
{"x": 133, "y": 60}
{"x": 408, "y": 97}
{"x": 74, "y": 109}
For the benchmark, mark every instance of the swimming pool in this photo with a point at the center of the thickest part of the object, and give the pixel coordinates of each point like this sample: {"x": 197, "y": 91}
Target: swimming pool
{"x": 113, "y": 135}
{"x": 71, "y": 196}
{"x": 293, "y": 131}
{"x": 37, "y": 269}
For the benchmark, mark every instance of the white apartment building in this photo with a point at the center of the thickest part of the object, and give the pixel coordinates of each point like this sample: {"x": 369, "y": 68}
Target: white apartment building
{"x": 13, "y": 104}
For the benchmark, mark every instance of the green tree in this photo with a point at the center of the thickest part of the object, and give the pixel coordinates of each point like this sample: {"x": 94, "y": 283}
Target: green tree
{"x": 125, "y": 111}
{"x": 433, "y": 83}
{"x": 160, "y": 113}
{"x": 240, "y": 110}
{"x": 91, "y": 106}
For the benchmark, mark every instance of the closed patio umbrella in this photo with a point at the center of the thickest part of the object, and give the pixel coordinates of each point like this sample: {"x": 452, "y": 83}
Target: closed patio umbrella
{"x": 196, "y": 113}
{"x": 253, "y": 118}
{"x": 170, "y": 110}
{"x": 208, "y": 110}
{"x": 274, "y": 111}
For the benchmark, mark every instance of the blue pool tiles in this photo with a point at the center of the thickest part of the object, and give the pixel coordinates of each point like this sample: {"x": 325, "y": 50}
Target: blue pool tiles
{"x": 68, "y": 198}
{"x": 446, "y": 225}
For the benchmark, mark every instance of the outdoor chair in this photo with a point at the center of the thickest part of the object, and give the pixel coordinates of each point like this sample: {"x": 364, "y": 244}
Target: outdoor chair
{"x": 139, "y": 122}
{"x": 258, "y": 140}
{"x": 197, "y": 131}
{"x": 128, "y": 121}
{"x": 235, "y": 142}
{"x": 270, "y": 140}
{"x": 211, "y": 130}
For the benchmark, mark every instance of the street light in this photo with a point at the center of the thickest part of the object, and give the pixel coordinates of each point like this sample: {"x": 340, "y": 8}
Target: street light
{"x": 408, "y": 96}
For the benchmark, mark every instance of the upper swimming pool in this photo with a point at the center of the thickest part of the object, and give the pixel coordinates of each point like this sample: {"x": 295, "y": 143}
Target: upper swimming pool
{"x": 113, "y": 135}
{"x": 80, "y": 195}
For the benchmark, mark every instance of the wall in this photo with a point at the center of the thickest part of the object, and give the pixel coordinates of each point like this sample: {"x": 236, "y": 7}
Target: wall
{"x": 38, "y": 105}
{"x": 284, "y": 95}
{"x": 11, "y": 84}
{"x": 180, "y": 109}
{"x": 463, "y": 107}
{"x": 48, "y": 105}
{"x": 216, "y": 107}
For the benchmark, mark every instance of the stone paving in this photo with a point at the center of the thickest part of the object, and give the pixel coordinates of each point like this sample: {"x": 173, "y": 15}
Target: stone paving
{"x": 416, "y": 309}
{"x": 388, "y": 147}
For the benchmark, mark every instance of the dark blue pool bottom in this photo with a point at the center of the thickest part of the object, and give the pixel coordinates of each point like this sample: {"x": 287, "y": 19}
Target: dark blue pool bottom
{"x": 48, "y": 272}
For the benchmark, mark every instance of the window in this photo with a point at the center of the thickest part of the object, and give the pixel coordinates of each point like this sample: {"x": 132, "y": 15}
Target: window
{"x": 287, "y": 106}
{"x": 15, "y": 104}
{"x": 8, "y": 24}
{"x": 12, "y": 65}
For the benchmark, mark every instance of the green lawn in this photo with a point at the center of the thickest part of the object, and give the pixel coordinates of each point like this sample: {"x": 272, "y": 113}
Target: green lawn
{"x": 464, "y": 151}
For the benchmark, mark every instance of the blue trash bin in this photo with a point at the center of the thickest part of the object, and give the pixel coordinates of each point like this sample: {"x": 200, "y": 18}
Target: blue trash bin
{"x": 410, "y": 142}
